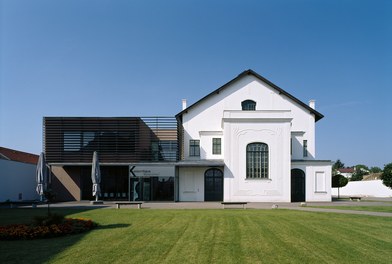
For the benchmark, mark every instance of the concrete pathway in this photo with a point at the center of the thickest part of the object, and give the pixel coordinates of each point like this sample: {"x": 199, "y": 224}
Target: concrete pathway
{"x": 217, "y": 205}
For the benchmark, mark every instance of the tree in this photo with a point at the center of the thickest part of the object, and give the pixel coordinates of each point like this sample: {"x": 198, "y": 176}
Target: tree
{"x": 360, "y": 171}
{"x": 375, "y": 170}
{"x": 386, "y": 176}
{"x": 362, "y": 168}
{"x": 336, "y": 166}
{"x": 357, "y": 176}
{"x": 339, "y": 181}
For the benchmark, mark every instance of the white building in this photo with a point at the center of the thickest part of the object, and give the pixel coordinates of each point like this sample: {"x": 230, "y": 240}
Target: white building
{"x": 17, "y": 175}
{"x": 346, "y": 172}
{"x": 250, "y": 141}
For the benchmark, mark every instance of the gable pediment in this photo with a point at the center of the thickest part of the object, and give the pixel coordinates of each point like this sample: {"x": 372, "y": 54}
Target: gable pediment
{"x": 242, "y": 81}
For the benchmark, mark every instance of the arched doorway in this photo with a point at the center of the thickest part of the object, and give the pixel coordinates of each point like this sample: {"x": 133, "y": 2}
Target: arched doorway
{"x": 213, "y": 185}
{"x": 297, "y": 185}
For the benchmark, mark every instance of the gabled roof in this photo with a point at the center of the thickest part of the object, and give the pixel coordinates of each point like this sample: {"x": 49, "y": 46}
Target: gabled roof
{"x": 346, "y": 170}
{"x": 317, "y": 115}
{"x": 15, "y": 155}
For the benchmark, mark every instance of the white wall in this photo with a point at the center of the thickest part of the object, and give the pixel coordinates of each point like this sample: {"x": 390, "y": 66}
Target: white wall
{"x": 364, "y": 188}
{"x": 206, "y": 144}
{"x": 275, "y": 119}
{"x": 318, "y": 183}
{"x": 239, "y": 132}
{"x": 208, "y": 115}
{"x": 347, "y": 175}
{"x": 318, "y": 180}
{"x": 15, "y": 178}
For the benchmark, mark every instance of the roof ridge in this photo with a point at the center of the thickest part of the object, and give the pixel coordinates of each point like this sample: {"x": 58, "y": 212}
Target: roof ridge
{"x": 317, "y": 114}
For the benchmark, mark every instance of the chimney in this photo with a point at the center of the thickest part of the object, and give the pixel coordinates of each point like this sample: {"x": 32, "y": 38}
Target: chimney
{"x": 312, "y": 104}
{"x": 183, "y": 104}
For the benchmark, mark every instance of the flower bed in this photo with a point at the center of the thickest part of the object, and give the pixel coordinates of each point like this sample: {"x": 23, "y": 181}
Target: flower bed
{"x": 66, "y": 227}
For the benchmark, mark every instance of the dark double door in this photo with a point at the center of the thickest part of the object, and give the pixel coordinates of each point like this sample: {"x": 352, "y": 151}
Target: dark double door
{"x": 297, "y": 185}
{"x": 213, "y": 185}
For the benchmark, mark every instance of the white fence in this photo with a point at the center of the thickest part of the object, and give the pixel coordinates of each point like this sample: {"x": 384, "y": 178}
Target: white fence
{"x": 364, "y": 188}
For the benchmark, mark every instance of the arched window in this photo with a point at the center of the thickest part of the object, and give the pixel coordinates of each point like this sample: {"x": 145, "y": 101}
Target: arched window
{"x": 257, "y": 161}
{"x": 248, "y": 105}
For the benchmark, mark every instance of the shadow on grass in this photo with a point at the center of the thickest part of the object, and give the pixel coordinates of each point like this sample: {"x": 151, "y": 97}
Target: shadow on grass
{"x": 113, "y": 226}
{"x": 39, "y": 250}
{"x": 26, "y": 215}
{"x": 35, "y": 251}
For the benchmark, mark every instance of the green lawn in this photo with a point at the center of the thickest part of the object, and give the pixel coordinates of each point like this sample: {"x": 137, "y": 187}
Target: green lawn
{"x": 208, "y": 236}
{"x": 386, "y": 209}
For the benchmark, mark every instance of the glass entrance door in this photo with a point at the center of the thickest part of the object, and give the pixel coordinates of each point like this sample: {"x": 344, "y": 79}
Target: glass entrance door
{"x": 152, "y": 189}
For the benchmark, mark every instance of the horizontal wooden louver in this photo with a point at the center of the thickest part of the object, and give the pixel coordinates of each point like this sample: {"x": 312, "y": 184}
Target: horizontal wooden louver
{"x": 119, "y": 139}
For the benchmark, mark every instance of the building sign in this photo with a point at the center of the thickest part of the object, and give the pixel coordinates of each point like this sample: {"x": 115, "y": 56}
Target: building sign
{"x": 151, "y": 171}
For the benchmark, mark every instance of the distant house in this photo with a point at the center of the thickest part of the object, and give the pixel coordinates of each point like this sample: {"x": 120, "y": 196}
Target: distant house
{"x": 346, "y": 172}
{"x": 17, "y": 175}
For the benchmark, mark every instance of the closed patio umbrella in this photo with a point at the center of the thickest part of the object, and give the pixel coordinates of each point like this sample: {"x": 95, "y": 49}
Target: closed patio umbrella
{"x": 96, "y": 176}
{"x": 42, "y": 175}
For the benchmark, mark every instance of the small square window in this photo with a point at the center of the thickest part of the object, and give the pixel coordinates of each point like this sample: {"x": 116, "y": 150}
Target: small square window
{"x": 194, "y": 148}
{"x": 216, "y": 146}
{"x": 248, "y": 105}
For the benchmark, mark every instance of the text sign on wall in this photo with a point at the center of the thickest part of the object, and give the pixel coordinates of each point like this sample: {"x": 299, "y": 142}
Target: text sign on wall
{"x": 151, "y": 171}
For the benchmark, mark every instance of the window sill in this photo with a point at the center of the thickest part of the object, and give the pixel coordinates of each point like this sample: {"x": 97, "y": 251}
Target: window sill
{"x": 258, "y": 179}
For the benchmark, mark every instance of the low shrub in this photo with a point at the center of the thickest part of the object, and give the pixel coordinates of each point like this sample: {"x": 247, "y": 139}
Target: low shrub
{"x": 67, "y": 226}
{"x": 51, "y": 219}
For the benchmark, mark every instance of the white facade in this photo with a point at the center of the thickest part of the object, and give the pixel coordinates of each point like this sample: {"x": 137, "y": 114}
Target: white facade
{"x": 279, "y": 120}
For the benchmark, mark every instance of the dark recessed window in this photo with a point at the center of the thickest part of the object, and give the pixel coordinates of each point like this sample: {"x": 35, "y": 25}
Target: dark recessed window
{"x": 305, "y": 150}
{"x": 248, "y": 105}
{"x": 257, "y": 161}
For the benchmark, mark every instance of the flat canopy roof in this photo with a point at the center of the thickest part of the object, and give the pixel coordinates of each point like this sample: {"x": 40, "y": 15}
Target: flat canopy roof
{"x": 200, "y": 163}
{"x": 187, "y": 163}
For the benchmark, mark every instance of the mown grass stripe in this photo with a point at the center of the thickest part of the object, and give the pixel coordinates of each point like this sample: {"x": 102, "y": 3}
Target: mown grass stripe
{"x": 209, "y": 236}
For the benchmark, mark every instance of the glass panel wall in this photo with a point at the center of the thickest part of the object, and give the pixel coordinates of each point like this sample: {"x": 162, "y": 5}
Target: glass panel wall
{"x": 114, "y": 183}
{"x": 152, "y": 189}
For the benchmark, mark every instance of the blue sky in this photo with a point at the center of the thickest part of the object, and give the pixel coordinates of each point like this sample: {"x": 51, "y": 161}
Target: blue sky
{"x": 140, "y": 58}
